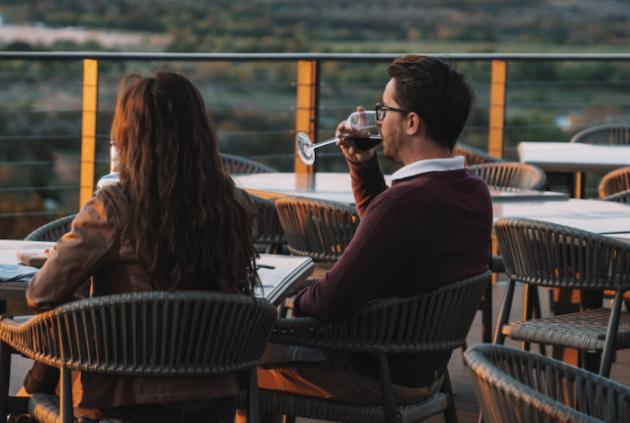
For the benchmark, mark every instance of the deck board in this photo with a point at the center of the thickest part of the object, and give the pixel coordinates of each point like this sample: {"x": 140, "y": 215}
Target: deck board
{"x": 465, "y": 400}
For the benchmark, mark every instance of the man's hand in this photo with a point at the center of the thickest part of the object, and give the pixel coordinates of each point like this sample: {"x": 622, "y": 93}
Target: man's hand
{"x": 352, "y": 153}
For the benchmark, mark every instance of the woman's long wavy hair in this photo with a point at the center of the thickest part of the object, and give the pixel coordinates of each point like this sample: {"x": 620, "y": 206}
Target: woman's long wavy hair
{"x": 190, "y": 230}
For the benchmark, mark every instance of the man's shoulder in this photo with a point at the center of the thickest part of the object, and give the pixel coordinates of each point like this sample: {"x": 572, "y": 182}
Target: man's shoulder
{"x": 435, "y": 188}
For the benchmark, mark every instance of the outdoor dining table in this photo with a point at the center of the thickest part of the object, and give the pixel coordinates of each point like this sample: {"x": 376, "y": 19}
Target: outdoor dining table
{"x": 337, "y": 187}
{"x": 279, "y": 275}
{"x": 566, "y": 158}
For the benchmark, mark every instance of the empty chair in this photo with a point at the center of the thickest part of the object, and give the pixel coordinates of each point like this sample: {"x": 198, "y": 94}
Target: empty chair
{"x": 473, "y": 155}
{"x": 52, "y": 231}
{"x": 271, "y": 238}
{"x": 236, "y": 165}
{"x": 317, "y": 229}
{"x": 438, "y": 321}
{"x": 614, "y": 182}
{"x": 149, "y": 334}
{"x": 604, "y": 135}
{"x": 519, "y": 386}
{"x": 555, "y": 256}
{"x": 511, "y": 175}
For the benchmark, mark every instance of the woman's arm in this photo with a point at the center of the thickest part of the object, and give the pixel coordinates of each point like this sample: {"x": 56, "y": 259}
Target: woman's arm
{"x": 78, "y": 254}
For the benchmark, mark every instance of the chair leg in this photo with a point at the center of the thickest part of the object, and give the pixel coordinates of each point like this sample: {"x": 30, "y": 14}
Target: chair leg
{"x": 389, "y": 403}
{"x": 611, "y": 335}
{"x": 253, "y": 409}
{"x": 67, "y": 415}
{"x": 538, "y": 314}
{"x": 504, "y": 314}
{"x": 5, "y": 376}
{"x": 450, "y": 414}
{"x": 528, "y": 310}
{"x": 486, "y": 316}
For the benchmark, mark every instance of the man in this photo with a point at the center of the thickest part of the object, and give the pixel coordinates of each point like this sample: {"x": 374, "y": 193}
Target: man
{"x": 431, "y": 228}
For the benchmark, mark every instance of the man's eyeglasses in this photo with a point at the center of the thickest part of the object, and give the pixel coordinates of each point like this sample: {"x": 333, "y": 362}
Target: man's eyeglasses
{"x": 381, "y": 111}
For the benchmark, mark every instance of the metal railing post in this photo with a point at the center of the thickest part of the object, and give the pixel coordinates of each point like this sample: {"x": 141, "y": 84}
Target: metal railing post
{"x": 307, "y": 111}
{"x": 88, "y": 130}
{"x": 497, "y": 108}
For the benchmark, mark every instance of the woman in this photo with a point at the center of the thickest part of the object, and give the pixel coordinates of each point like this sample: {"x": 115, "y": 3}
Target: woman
{"x": 175, "y": 222}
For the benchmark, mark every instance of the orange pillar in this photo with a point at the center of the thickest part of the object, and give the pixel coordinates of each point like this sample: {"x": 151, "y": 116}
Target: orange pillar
{"x": 307, "y": 113}
{"x": 88, "y": 130}
{"x": 497, "y": 108}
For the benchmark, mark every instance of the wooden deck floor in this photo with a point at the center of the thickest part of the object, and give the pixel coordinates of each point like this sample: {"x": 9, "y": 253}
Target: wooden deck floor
{"x": 465, "y": 400}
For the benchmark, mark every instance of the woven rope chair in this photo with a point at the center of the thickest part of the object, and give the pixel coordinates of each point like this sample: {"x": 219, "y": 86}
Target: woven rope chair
{"x": 236, "y": 165}
{"x": 438, "y": 321}
{"x": 317, "y": 229}
{"x": 271, "y": 238}
{"x": 615, "y": 182}
{"x": 511, "y": 175}
{"x": 555, "y": 256}
{"x": 154, "y": 334}
{"x": 620, "y": 197}
{"x": 52, "y": 231}
{"x": 518, "y": 386}
{"x": 473, "y": 155}
{"x": 604, "y": 135}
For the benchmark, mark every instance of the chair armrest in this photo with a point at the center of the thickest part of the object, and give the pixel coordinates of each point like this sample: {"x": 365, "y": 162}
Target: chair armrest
{"x": 432, "y": 322}
{"x": 496, "y": 264}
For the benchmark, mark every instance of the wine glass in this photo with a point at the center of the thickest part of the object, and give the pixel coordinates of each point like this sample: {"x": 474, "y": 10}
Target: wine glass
{"x": 360, "y": 131}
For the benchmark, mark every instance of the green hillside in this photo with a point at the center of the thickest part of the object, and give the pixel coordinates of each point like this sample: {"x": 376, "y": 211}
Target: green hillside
{"x": 305, "y": 25}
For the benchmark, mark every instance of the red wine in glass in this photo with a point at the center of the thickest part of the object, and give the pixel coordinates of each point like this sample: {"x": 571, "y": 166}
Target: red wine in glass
{"x": 363, "y": 143}
{"x": 360, "y": 131}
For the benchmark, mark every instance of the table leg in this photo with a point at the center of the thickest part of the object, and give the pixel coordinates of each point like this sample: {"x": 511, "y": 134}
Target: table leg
{"x": 580, "y": 185}
{"x": 565, "y": 179}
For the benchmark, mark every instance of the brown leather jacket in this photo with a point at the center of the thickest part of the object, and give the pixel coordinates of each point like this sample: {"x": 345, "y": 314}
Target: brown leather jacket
{"x": 97, "y": 247}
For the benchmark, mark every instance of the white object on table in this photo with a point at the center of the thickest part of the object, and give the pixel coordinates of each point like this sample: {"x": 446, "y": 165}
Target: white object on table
{"x": 601, "y": 217}
{"x": 574, "y": 157}
{"x": 288, "y": 274}
{"x": 337, "y": 187}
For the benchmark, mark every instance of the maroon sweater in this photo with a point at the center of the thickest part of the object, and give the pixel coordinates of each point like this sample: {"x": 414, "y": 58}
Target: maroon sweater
{"x": 424, "y": 232}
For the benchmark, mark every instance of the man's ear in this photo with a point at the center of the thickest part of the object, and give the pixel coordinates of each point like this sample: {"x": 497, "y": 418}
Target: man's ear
{"x": 415, "y": 124}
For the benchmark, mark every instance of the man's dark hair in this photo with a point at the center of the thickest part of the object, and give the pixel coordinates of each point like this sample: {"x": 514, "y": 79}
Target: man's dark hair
{"x": 435, "y": 91}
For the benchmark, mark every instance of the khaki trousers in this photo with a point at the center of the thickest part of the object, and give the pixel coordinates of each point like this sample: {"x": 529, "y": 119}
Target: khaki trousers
{"x": 336, "y": 380}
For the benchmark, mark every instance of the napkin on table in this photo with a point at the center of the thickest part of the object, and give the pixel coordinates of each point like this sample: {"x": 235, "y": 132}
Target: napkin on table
{"x": 16, "y": 273}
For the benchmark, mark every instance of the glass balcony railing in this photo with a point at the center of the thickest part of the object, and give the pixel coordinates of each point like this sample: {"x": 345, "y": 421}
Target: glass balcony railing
{"x": 253, "y": 101}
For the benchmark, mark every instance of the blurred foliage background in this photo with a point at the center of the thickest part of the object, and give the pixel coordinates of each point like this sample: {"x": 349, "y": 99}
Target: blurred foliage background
{"x": 252, "y": 104}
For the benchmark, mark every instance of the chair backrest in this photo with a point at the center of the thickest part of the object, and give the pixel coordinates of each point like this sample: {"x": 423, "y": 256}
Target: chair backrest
{"x": 317, "y": 229}
{"x": 270, "y": 230}
{"x": 614, "y": 182}
{"x": 620, "y": 197}
{"x": 473, "y": 155}
{"x": 183, "y": 333}
{"x": 52, "y": 231}
{"x": 557, "y": 256}
{"x": 519, "y": 386}
{"x": 604, "y": 135}
{"x": 236, "y": 165}
{"x": 438, "y": 321}
{"x": 511, "y": 175}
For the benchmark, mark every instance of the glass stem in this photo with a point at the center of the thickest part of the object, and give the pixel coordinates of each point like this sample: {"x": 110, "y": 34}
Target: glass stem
{"x": 324, "y": 143}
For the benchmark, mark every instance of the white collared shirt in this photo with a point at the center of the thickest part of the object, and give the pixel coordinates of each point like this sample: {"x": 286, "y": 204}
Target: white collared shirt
{"x": 429, "y": 165}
